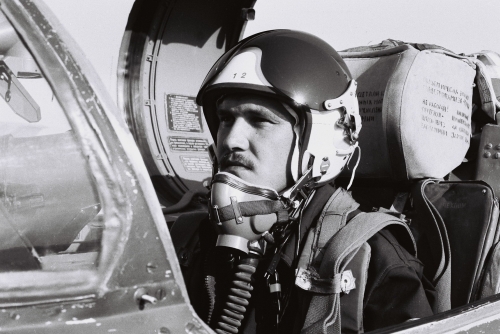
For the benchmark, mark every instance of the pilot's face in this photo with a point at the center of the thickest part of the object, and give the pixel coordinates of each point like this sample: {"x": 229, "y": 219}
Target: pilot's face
{"x": 255, "y": 140}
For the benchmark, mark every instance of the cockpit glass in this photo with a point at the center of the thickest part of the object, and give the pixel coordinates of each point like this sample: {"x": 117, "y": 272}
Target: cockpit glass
{"x": 49, "y": 205}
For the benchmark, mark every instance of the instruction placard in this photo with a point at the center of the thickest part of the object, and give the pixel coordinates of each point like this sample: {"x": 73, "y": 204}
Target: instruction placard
{"x": 183, "y": 114}
{"x": 177, "y": 143}
{"x": 196, "y": 163}
{"x": 446, "y": 111}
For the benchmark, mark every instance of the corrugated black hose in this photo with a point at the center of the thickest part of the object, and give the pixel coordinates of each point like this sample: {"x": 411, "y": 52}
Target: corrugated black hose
{"x": 239, "y": 296}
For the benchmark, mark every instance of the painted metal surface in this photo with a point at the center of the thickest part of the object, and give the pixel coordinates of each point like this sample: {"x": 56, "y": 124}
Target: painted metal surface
{"x": 479, "y": 317}
{"x": 137, "y": 251}
{"x": 168, "y": 48}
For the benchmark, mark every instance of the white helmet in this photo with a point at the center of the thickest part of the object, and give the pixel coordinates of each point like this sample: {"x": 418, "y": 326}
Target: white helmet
{"x": 314, "y": 83}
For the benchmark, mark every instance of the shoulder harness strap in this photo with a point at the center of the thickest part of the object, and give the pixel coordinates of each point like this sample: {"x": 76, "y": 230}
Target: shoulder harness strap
{"x": 323, "y": 315}
{"x": 332, "y": 219}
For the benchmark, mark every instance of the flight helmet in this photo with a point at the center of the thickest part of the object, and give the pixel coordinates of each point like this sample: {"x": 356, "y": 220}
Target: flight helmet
{"x": 311, "y": 80}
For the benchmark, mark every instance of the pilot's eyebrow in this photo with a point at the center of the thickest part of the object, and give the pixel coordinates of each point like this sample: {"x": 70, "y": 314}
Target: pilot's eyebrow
{"x": 273, "y": 115}
{"x": 259, "y": 111}
{"x": 264, "y": 112}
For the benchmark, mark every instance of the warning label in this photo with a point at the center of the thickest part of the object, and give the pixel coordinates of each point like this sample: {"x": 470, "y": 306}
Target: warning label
{"x": 196, "y": 164}
{"x": 188, "y": 144}
{"x": 183, "y": 113}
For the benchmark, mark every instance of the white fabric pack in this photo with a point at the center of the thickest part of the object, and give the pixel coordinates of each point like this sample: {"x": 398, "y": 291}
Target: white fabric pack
{"x": 416, "y": 110}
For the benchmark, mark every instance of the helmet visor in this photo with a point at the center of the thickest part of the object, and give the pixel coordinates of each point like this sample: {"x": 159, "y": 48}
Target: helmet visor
{"x": 300, "y": 67}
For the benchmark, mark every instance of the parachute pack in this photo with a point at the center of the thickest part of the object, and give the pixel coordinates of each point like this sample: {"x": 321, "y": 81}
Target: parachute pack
{"x": 431, "y": 149}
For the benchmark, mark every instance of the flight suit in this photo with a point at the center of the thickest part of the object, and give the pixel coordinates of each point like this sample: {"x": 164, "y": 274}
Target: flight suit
{"x": 396, "y": 289}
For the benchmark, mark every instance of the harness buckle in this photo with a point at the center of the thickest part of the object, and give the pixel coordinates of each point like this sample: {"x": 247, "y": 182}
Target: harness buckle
{"x": 236, "y": 209}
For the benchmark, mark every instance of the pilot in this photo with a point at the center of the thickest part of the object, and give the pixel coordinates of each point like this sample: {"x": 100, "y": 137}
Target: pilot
{"x": 282, "y": 109}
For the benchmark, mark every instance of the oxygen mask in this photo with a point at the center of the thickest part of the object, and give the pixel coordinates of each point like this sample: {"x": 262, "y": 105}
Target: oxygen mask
{"x": 242, "y": 212}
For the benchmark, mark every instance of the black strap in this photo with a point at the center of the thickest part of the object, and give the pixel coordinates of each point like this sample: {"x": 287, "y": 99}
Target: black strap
{"x": 433, "y": 243}
{"x": 253, "y": 208}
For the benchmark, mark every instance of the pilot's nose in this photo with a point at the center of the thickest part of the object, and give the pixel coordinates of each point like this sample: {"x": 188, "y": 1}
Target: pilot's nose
{"x": 235, "y": 137}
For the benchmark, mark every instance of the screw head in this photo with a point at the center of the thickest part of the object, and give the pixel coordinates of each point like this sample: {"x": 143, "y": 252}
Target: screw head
{"x": 160, "y": 294}
{"x": 150, "y": 267}
{"x": 488, "y": 146}
{"x": 497, "y": 155}
{"x": 487, "y": 154}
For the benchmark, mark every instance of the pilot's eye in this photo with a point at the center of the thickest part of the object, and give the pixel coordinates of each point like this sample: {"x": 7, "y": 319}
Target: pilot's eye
{"x": 259, "y": 118}
{"x": 225, "y": 118}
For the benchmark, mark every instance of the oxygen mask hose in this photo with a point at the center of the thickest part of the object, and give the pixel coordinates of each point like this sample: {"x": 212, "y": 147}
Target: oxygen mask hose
{"x": 239, "y": 295}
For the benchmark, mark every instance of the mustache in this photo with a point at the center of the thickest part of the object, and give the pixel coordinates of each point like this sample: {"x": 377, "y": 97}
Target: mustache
{"x": 235, "y": 159}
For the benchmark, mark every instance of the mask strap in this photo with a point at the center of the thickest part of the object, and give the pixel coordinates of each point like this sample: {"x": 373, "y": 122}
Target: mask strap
{"x": 356, "y": 166}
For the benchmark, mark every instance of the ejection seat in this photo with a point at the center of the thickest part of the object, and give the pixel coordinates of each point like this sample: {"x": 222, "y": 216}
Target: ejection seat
{"x": 422, "y": 121}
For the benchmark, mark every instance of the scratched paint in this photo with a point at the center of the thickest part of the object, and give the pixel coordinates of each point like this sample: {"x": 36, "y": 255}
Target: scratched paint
{"x": 79, "y": 322}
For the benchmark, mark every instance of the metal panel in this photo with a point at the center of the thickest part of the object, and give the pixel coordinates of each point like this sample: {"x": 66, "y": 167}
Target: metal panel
{"x": 167, "y": 51}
